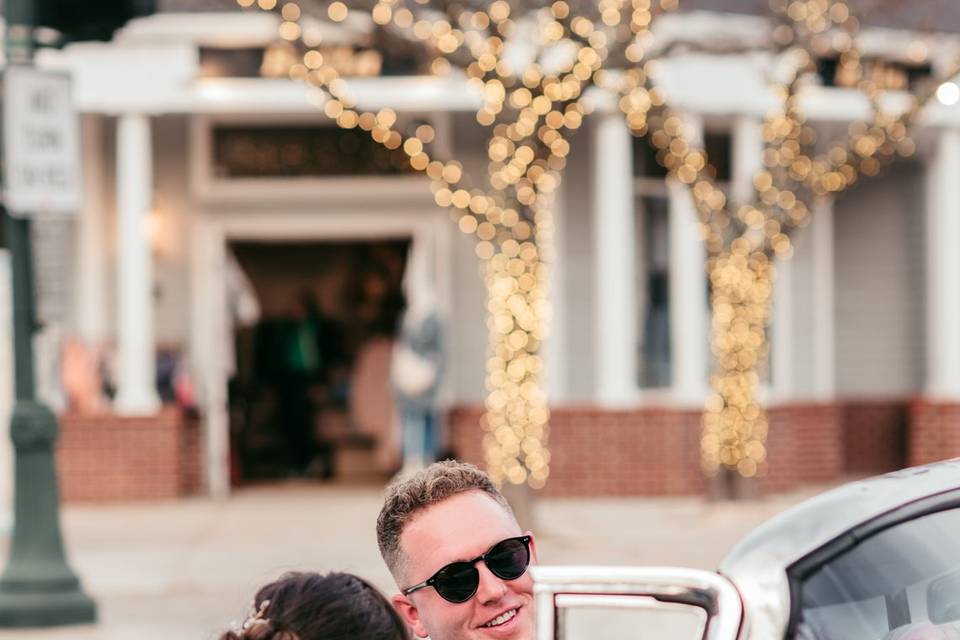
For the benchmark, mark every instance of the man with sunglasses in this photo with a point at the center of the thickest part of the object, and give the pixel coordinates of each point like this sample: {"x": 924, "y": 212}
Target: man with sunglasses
{"x": 458, "y": 555}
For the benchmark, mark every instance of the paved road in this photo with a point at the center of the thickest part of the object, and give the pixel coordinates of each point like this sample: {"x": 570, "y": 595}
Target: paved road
{"x": 186, "y": 569}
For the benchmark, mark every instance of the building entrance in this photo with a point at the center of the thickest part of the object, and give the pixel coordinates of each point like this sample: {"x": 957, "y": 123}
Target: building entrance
{"x": 314, "y": 325}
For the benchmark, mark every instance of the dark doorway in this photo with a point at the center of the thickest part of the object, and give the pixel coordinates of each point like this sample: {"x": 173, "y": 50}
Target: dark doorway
{"x": 310, "y": 395}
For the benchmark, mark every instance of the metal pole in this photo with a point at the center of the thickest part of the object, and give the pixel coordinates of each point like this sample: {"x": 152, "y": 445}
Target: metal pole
{"x": 37, "y": 587}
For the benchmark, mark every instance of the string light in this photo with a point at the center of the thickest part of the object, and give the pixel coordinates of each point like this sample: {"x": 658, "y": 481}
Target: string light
{"x": 948, "y": 93}
{"x": 530, "y": 114}
{"x": 744, "y": 238}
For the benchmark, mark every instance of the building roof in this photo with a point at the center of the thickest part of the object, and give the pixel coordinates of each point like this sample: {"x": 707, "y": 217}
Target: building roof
{"x": 920, "y": 15}
{"x": 196, "y": 6}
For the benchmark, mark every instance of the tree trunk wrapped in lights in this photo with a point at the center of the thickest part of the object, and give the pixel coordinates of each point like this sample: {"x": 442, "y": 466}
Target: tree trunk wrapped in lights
{"x": 531, "y": 61}
{"x": 516, "y": 407}
{"x": 744, "y": 238}
{"x": 734, "y": 424}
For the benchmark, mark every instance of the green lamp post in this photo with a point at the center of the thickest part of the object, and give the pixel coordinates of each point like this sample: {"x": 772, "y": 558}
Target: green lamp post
{"x": 37, "y": 587}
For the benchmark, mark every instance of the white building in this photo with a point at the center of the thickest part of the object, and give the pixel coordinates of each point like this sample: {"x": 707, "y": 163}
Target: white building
{"x": 864, "y": 317}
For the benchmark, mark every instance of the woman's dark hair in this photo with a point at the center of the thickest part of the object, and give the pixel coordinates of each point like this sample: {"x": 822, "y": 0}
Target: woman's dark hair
{"x": 310, "y": 606}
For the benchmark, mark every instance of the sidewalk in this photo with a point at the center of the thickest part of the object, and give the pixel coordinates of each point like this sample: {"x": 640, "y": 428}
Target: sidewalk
{"x": 187, "y": 569}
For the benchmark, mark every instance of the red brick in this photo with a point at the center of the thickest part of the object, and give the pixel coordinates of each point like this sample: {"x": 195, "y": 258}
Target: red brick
{"x": 656, "y": 451}
{"x": 875, "y": 434}
{"x": 107, "y": 457}
{"x": 934, "y": 432}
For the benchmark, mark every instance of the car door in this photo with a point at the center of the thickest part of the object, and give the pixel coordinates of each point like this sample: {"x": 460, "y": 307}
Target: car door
{"x": 634, "y": 603}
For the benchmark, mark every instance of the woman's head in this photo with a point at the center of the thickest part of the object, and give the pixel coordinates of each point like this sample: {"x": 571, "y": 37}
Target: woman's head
{"x": 310, "y": 606}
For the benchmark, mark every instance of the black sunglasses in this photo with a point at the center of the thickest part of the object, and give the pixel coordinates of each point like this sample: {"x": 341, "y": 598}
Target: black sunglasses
{"x": 458, "y": 581}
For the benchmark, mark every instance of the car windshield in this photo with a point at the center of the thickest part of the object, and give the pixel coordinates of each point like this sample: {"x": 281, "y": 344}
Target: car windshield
{"x": 900, "y": 584}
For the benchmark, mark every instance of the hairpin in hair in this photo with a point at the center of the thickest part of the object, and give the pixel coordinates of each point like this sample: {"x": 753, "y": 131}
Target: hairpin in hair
{"x": 257, "y": 615}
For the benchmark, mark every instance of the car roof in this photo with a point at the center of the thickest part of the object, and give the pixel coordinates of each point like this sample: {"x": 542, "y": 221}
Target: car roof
{"x": 758, "y": 564}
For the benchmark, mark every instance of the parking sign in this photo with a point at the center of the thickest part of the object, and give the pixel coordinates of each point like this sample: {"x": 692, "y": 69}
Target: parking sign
{"x": 41, "y": 147}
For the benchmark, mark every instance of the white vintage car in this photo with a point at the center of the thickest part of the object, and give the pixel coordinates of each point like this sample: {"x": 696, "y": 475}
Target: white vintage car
{"x": 877, "y": 559}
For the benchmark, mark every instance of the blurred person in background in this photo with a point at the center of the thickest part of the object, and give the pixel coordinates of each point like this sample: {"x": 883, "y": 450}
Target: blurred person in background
{"x": 417, "y": 366}
{"x": 80, "y": 377}
{"x": 300, "y": 372}
{"x": 311, "y": 606}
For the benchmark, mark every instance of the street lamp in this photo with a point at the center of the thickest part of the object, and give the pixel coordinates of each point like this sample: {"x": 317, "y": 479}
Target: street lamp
{"x": 37, "y": 587}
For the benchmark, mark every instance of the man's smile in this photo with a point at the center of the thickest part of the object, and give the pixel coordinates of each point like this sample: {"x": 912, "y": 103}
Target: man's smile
{"x": 509, "y": 624}
{"x": 502, "y": 618}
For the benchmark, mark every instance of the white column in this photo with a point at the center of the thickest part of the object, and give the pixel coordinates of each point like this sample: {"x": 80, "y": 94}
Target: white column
{"x": 555, "y": 351}
{"x": 136, "y": 389}
{"x": 90, "y": 304}
{"x": 824, "y": 316}
{"x": 943, "y": 269}
{"x": 689, "y": 309}
{"x": 614, "y": 253}
{"x": 6, "y": 393}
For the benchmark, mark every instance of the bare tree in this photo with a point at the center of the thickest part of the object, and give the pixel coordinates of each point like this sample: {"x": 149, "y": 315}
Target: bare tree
{"x": 744, "y": 237}
{"x": 531, "y": 63}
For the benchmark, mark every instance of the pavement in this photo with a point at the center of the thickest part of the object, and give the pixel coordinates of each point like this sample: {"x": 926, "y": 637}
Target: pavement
{"x": 189, "y": 568}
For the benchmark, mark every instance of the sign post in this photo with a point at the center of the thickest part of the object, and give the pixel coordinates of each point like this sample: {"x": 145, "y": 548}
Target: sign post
{"x": 41, "y": 147}
{"x": 37, "y": 587}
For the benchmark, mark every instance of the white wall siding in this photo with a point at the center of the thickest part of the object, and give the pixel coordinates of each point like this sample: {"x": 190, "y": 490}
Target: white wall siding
{"x": 801, "y": 288}
{"x": 467, "y": 324}
{"x": 879, "y": 285}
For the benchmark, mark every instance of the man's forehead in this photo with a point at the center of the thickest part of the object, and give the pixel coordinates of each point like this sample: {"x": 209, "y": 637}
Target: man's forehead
{"x": 458, "y": 528}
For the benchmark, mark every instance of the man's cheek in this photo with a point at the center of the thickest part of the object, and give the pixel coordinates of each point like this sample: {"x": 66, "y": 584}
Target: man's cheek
{"x": 448, "y": 621}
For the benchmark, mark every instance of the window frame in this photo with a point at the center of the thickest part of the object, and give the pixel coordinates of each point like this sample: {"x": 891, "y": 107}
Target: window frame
{"x": 654, "y": 186}
{"x": 208, "y": 189}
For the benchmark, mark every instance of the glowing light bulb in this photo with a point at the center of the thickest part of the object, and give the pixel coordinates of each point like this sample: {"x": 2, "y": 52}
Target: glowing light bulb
{"x": 948, "y": 94}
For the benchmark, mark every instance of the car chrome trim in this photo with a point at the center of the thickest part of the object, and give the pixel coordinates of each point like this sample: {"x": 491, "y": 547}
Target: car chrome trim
{"x": 709, "y": 591}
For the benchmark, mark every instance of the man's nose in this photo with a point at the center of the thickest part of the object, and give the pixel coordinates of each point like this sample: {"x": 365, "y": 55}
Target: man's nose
{"x": 491, "y": 588}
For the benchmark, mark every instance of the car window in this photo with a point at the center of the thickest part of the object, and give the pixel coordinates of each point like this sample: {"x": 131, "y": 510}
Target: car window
{"x": 901, "y": 584}
{"x": 626, "y": 617}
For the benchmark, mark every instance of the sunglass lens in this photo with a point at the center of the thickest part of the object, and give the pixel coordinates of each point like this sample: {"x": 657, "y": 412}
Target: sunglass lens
{"x": 509, "y": 559}
{"x": 457, "y": 582}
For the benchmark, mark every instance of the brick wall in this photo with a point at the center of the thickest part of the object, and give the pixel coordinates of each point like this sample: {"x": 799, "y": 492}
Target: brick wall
{"x": 934, "y": 432}
{"x": 191, "y": 458}
{"x": 657, "y": 451}
{"x": 599, "y": 452}
{"x": 108, "y": 457}
{"x": 805, "y": 445}
{"x": 875, "y": 435}
{"x": 650, "y": 451}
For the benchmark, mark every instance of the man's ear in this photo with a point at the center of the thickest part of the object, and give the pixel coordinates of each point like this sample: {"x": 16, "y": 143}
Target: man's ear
{"x": 533, "y": 547}
{"x": 410, "y": 614}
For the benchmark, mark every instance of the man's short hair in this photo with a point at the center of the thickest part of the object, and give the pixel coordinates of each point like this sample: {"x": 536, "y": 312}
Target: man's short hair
{"x": 406, "y": 496}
